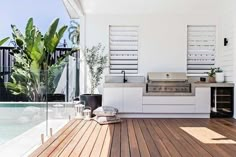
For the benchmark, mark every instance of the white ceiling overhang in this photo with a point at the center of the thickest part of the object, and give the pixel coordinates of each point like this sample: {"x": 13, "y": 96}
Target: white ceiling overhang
{"x": 74, "y": 8}
{"x": 77, "y": 8}
{"x": 148, "y": 6}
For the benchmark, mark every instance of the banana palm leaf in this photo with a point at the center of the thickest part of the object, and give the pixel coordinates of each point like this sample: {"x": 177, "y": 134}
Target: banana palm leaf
{"x": 3, "y": 41}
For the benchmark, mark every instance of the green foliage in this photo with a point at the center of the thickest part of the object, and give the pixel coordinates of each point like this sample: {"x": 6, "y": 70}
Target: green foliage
{"x": 32, "y": 61}
{"x": 96, "y": 62}
{"x": 212, "y": 72}
{"x": 74, "y": 33}
{"x": 3, "y": 41}
{"x": 54, "y": 75}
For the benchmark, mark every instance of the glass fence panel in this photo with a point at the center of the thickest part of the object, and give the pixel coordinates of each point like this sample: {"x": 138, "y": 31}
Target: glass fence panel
{"x": 34, "y": 105}
{"x": 22, "y": 113}
{"x": 61, "y": 92}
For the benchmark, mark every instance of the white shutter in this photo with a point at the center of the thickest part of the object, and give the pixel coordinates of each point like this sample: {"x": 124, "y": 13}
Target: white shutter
{"x": 123, "y": 49}
{"x": 201, "y": 48}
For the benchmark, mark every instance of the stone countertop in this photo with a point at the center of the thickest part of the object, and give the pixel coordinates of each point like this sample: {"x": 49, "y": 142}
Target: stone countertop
{"x": 206, "y": 84}
{"x": 192, "y": 93}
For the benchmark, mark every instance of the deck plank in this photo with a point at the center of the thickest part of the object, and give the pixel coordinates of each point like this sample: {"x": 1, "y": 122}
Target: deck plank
{"x": 125, "y": 152}
{"x": 97, "y": 148}
{"x": 159, "y": 144}
{"x": 223, "y": 130}
{"x": 199, "y": 148}
{"x": 70, "y": 146}
{"x": 161, "y": 135}
{"x": 115, "y": 149}
{"x": 52, "y": 139}
{"x": 176, "y": 134}
{"x": 149, "y": 141}
{"x": 138, "y": 137}
{"x": 133, "y": 144}
{"x": 80, "y": 146}
{"x": 106, "y": 149}
{"x": 67, "y": 140}
{"x": 212, "y": 149}
{"x": 91, "y": 141}
{"x": 217, "y": 147}
{"x": 141, "y": 141}
{"x": 59, "y": 140}
{"x": 178, "y": 145}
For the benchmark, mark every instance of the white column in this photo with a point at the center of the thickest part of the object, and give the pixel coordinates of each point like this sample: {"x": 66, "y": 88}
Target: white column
{"x": 83, "y": 72}
{"x": 234, "y": 4}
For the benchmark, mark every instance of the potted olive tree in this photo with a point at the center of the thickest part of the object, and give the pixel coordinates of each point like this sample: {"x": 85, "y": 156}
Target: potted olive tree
{"x": 219, "y": 75}
{"x": 96, "y": 63}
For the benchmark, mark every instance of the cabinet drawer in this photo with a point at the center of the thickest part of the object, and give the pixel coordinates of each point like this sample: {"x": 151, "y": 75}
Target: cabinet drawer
{"x": 168, "y": 100}
{"x": 169, "y": 108}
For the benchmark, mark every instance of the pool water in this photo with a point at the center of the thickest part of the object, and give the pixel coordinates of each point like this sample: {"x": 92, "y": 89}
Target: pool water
{"x": 16, "y": 119}
{"x": 10, "y": 129}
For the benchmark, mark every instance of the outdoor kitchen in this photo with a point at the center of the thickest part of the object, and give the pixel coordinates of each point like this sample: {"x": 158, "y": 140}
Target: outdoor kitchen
{"x": 167, "y": 95}
{"x": 163, "y": 62}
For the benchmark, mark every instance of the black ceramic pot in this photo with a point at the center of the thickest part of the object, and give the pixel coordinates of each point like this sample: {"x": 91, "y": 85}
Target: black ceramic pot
{"x": 92, "y": 100}
{"x": 56, "y": 97}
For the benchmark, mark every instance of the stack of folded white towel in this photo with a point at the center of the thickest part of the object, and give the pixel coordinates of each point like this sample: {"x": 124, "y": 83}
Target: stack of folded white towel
{"x": 106, "y": 115}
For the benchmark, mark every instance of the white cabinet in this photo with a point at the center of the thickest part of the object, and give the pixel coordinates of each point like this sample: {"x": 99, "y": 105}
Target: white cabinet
{"x": 125, "y": 99}
{"x": 203, "y": 100}
{"x": 113, "y": 97}
{"x": 133, "y": 100}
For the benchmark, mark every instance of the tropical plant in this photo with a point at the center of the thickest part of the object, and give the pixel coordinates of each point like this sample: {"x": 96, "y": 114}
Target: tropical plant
{"x": 74, "y": 36}
{"x": 54, "y": 75}
{"x": 96, "y": 62}
{"x": 212, "y": 72}
{"x": 32, "y": 58}
{"x": 74, "y": 33}
{"x": 3, "y": 41}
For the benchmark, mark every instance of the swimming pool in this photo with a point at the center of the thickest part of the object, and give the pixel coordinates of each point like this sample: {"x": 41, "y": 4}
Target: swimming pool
{"x": 20, "y": 122}
{"x": 18, "y": 117}
{"x": 15, "y": 119}
{"x": 11, "y": 129}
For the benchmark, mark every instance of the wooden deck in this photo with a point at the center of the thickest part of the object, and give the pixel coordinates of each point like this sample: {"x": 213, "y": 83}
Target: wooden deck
{"x": 144, "y": 137}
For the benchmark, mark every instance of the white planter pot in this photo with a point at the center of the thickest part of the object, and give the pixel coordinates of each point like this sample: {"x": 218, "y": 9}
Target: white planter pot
{"x": 220, "y": 77}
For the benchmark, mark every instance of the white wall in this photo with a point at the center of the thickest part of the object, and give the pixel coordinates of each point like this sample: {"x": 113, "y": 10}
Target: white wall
{"x": 162, "y": 38}
{"x": 227, "y": 30}
{"x": 228, "y": 53}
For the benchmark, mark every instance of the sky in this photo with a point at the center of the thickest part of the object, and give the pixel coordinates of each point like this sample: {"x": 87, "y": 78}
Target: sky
{"x": 18, "y": 12}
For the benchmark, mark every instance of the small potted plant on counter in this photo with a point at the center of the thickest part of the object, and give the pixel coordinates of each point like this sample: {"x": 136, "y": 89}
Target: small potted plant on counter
{"x": 96, "y": 63}
{"x": 211, "y": 75}
{"x": 219, "y": 75}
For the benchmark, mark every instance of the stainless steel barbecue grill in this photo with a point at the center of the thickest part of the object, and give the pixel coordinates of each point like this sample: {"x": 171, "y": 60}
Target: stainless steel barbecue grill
{"x": 168, "y": 82}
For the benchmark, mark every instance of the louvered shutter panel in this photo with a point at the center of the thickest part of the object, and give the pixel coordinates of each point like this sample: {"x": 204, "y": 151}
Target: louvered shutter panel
{"x": 201, "y": 49}
{"x": 123, "y": 49}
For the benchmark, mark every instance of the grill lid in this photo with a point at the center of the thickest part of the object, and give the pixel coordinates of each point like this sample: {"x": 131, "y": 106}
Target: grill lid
{"x": 166, "y": 76}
